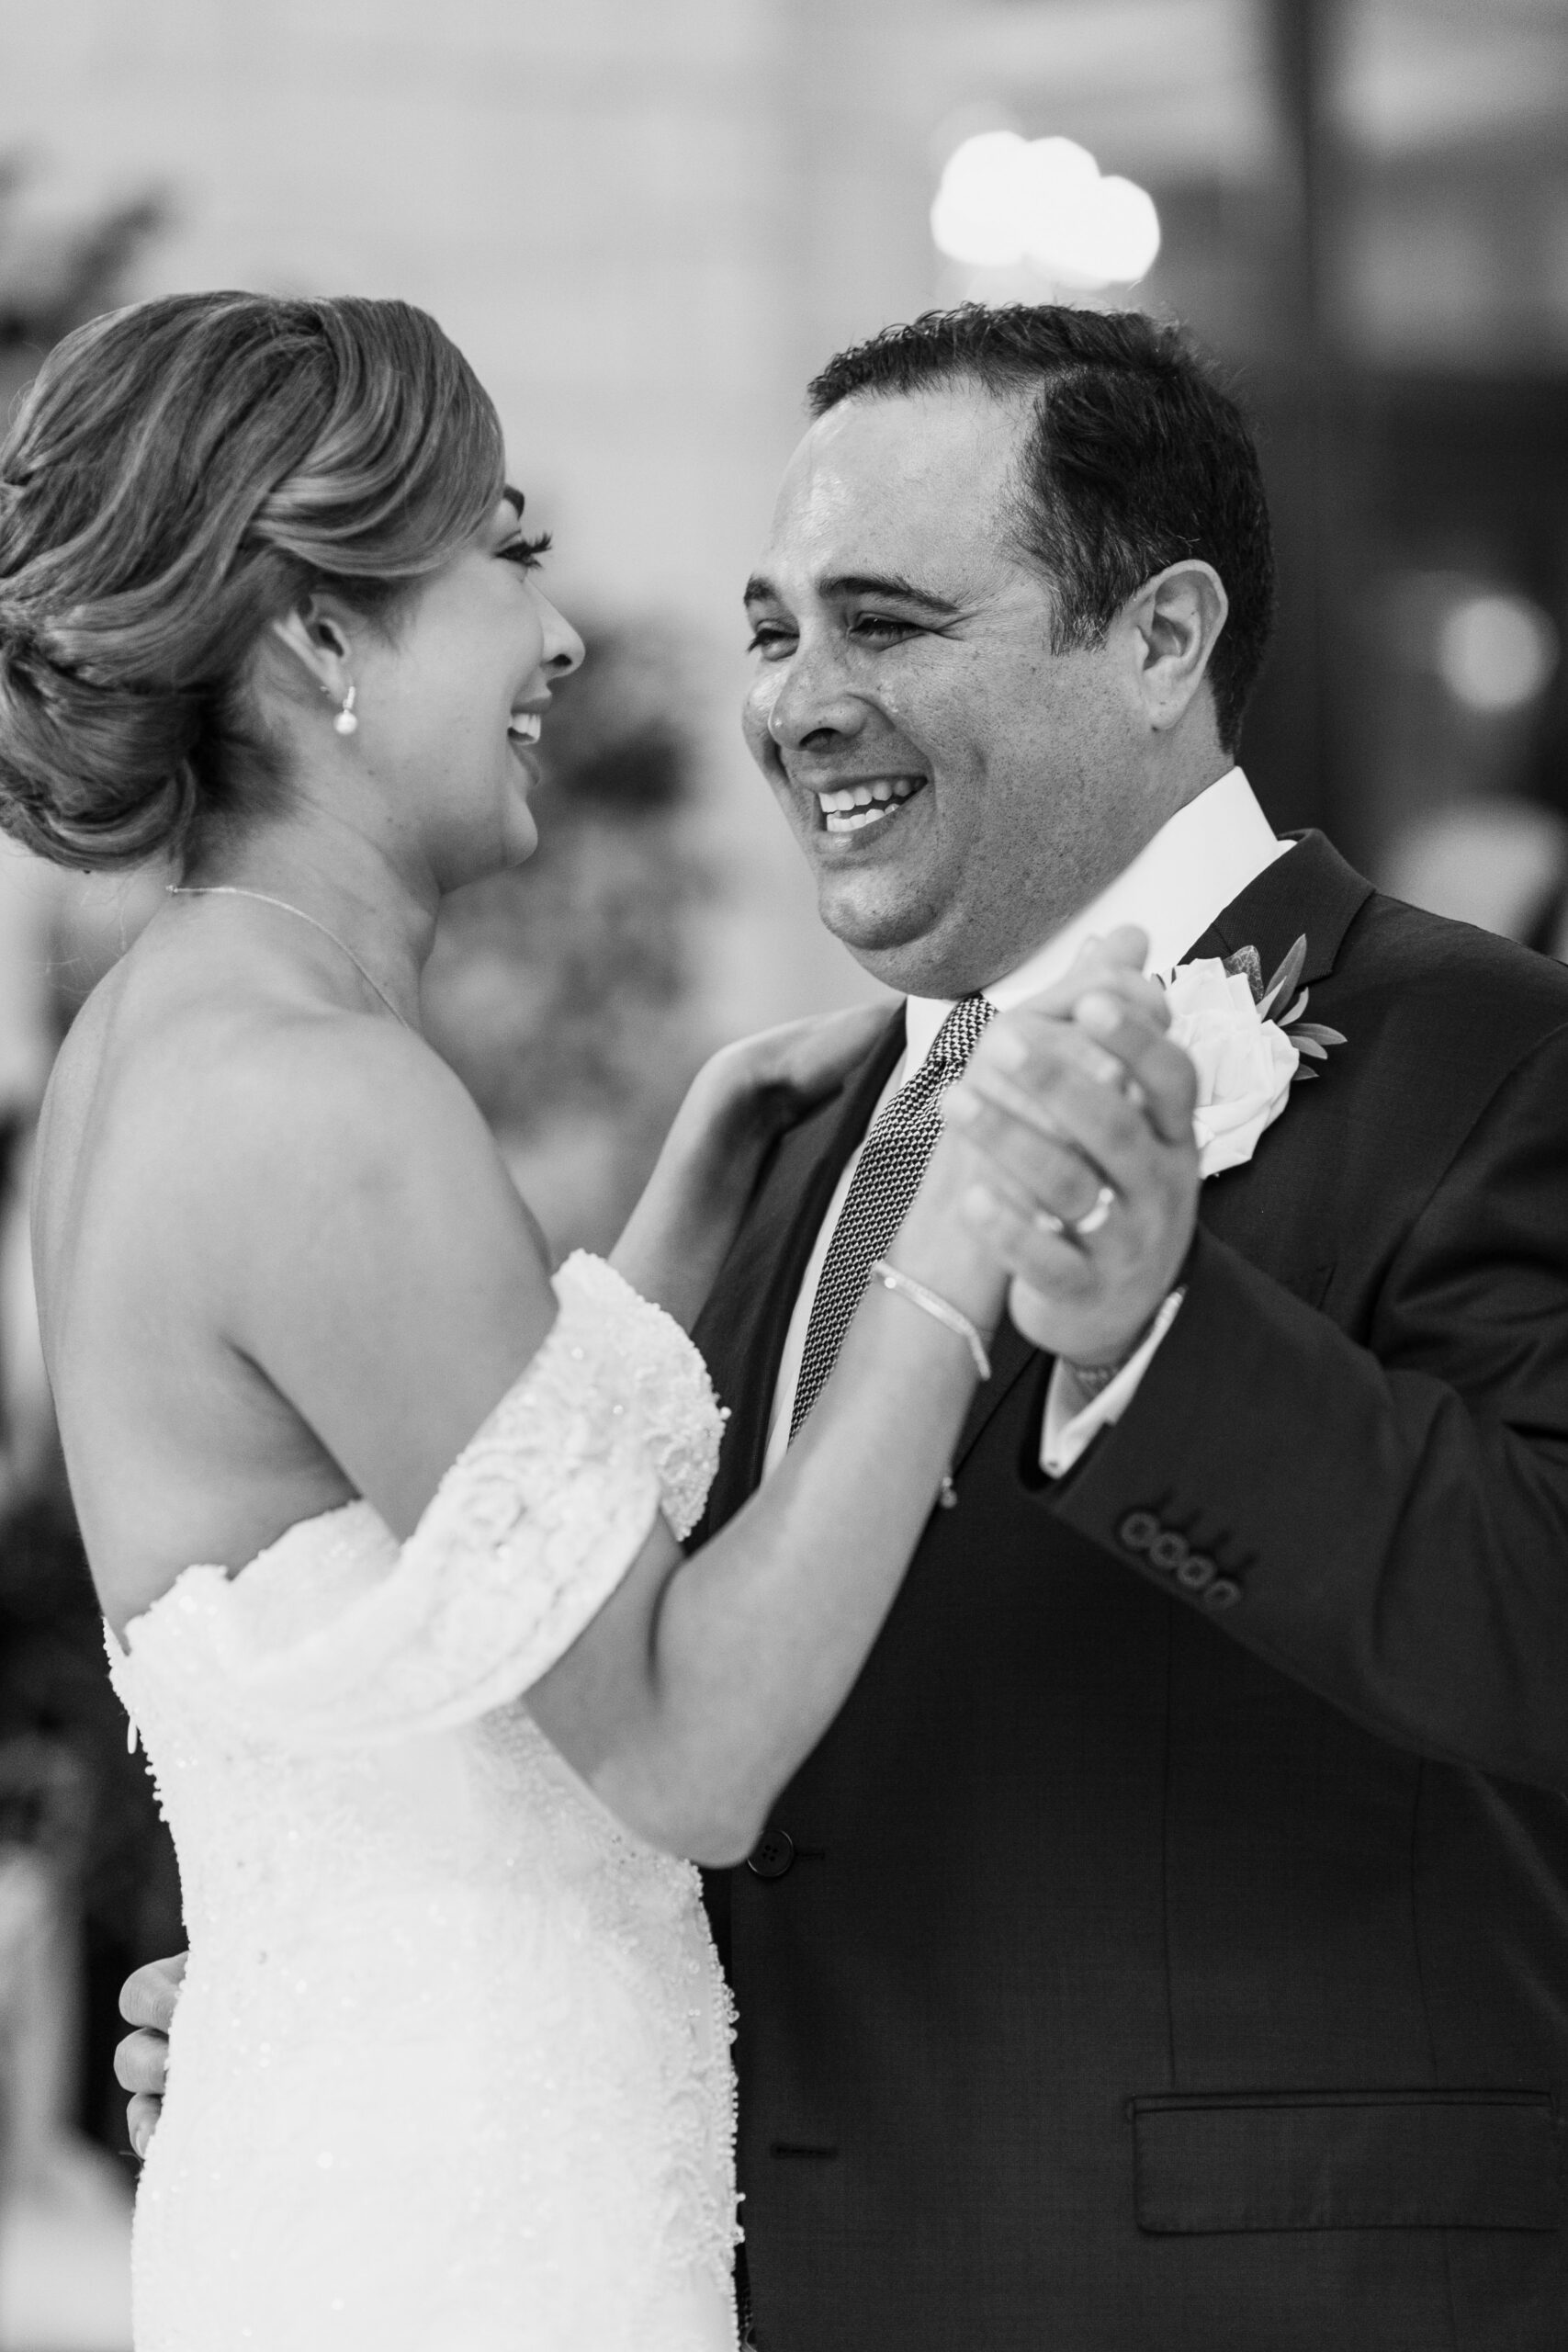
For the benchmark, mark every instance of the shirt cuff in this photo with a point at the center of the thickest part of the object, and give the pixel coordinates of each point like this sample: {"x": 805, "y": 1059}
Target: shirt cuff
{"x": 1072, "y": 1419}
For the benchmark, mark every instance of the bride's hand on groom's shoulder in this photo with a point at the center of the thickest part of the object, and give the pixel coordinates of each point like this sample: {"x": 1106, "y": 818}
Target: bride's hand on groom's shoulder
{"x": 147, "y": 2001}
{"x": 1082, "y": 1109}
{"x": 740, "y": 1101}
{"x": 763, "y": 1084}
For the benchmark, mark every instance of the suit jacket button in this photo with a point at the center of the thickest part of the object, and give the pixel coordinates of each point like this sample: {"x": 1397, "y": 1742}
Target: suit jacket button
{"x": 1196, "y": 1572}
{"x": 772, "y": 1853}
{"x": 1138, "y": 1530}
{"x": 1223, "y": 1593}
{"x": 1169, "y": 1551}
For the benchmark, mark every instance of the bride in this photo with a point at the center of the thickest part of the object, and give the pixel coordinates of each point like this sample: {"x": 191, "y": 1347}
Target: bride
{"x": 386, "y": 1523}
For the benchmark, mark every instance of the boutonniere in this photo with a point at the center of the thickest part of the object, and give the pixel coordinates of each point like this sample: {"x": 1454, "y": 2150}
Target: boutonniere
{"x": 1246, "y": 1052}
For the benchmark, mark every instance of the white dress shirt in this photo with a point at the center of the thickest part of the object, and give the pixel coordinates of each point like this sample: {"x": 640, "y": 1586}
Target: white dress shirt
{"x": 1198, "y": 862}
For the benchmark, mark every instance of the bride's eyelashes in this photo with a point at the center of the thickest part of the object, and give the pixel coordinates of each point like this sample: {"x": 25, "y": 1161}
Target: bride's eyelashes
{"x": 525, "y": 553}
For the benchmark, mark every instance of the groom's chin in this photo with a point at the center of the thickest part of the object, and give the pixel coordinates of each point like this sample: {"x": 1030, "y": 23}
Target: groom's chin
{"x": 888, "y": 930}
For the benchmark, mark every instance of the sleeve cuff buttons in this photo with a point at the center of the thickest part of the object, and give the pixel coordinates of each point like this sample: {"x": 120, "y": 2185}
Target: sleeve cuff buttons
{"x": 1167, "y": 1549}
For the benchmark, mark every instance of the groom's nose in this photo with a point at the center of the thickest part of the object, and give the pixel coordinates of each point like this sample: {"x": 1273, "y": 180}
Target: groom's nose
{"x": 812, "y": 705}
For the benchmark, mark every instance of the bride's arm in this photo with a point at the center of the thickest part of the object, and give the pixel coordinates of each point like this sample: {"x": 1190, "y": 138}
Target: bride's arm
{"x": 740, "y": 1101}
{"x": 702, "y": 1685}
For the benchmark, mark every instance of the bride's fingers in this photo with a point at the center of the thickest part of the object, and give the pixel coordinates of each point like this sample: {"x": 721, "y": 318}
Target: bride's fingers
{"x": 142, "y": 2062}
{"x": 141, "y": 2121}
{"x": 806, "y": 1059}
{"x": 149, "y": 1995}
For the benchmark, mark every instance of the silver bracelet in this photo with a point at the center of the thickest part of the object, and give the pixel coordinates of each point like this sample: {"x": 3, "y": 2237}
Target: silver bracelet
{"x": 951, "y": 1317}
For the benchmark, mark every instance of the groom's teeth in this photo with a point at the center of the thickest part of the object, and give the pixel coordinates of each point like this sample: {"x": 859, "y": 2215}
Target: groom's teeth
{"x": 853, "y": 807}
{"x": 859, "y": 819}
{"x": 524, "y": 726}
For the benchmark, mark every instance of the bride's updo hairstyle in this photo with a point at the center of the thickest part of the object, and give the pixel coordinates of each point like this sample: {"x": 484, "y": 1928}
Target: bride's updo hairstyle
{"x": 178, "y": 475}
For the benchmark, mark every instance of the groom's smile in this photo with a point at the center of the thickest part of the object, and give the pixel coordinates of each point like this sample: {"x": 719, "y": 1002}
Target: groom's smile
{"x": 957, "y": 787}
{"x": 853, "y": 808}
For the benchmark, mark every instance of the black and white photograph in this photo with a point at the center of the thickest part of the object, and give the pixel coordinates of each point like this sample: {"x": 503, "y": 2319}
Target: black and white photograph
{"x": 783, "y": 1176}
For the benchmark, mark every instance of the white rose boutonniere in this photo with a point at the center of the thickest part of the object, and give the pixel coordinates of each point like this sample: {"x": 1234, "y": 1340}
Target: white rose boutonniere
{"x": 1222, "y": 1015}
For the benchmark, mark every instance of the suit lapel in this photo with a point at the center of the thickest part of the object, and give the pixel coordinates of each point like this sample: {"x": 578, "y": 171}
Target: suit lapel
{"x": 1311, "y": 893}
{"x": 741, "y": 1331}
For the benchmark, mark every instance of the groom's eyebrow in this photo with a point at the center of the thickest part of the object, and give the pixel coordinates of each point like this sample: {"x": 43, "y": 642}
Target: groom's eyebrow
{"x": 891, "y": 584}
{"x": 841, "y": 586}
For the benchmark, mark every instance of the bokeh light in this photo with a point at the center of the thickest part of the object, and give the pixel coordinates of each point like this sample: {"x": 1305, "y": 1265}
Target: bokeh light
{"x": 1005, "y": 200}
{"x": 1497, "y": 652}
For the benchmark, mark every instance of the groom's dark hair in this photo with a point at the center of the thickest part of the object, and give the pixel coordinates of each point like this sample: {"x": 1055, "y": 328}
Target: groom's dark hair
{"x": 1137, "y": 458}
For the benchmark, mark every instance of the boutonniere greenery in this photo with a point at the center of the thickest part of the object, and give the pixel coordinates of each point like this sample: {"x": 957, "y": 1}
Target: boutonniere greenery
{"x": 1249, "y": 1044}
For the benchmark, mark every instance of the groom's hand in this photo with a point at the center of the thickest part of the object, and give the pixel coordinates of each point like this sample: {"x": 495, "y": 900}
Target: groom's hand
{"x": 147, "y": 2001}
{"x": 1083, "y": 1110}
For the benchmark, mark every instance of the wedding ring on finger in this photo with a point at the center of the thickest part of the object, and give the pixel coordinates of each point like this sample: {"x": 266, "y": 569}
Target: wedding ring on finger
{"x": 1083, "y": 1228}
{"x": 1078, "y": 1228}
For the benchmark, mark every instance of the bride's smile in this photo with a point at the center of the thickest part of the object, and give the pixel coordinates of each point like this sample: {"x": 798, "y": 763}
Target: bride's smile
{"x": 451, "y": 694}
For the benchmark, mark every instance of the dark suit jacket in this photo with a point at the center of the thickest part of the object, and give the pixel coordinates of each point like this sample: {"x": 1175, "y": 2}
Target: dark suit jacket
{"x": 1166, "y": 1950}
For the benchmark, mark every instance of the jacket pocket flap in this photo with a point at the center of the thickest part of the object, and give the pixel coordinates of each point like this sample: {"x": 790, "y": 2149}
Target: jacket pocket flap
{"x": 1347, "y": 2160}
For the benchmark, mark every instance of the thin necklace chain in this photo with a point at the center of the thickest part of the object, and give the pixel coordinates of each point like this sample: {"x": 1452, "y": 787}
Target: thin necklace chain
{"x": 265, "y": 898}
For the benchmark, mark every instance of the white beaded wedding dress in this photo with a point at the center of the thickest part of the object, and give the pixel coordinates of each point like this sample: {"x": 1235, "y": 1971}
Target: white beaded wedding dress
{"x": 450, "y": 2071}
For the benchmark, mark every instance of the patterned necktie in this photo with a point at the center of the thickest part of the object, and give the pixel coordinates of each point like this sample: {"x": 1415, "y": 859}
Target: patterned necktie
{"x": 893, "y": 1160}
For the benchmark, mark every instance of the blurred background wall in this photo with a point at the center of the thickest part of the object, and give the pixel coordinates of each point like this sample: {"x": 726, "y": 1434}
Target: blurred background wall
{"x": 648, "y": 226}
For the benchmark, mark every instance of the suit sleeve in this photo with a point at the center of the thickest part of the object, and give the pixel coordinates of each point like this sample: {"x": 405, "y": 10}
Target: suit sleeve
{"x": 1385, "y": 1522}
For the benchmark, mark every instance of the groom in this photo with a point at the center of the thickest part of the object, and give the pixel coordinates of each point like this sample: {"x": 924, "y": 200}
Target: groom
{"x": 1166, "y": 1950}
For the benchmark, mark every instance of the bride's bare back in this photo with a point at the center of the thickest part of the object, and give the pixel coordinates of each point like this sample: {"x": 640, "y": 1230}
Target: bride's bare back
{"x": 232, "y": 1157}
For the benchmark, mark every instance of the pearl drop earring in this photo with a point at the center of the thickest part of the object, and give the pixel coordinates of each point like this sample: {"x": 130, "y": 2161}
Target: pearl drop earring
{"x": 345, "y": 721}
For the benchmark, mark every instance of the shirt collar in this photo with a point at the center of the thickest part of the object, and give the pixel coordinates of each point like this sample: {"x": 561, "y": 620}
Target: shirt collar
{"x": 1198, "y": 862}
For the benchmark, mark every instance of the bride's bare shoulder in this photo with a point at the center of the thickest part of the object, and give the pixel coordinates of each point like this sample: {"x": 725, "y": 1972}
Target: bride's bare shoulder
{"x": 277, "y": 1122}
{"x": 351, "y": 1102}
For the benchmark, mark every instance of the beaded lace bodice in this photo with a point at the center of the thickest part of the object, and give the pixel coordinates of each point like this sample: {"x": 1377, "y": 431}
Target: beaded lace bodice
{"x": 450, "y": 2068}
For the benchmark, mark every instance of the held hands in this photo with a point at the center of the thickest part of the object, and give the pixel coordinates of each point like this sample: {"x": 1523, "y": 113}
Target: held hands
{"x": 1082, "y": 1111}
{"x": 147, "y": 2001}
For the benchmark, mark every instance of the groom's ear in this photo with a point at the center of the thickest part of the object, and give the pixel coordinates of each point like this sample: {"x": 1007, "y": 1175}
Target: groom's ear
{"x": 1176, "y": 617}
